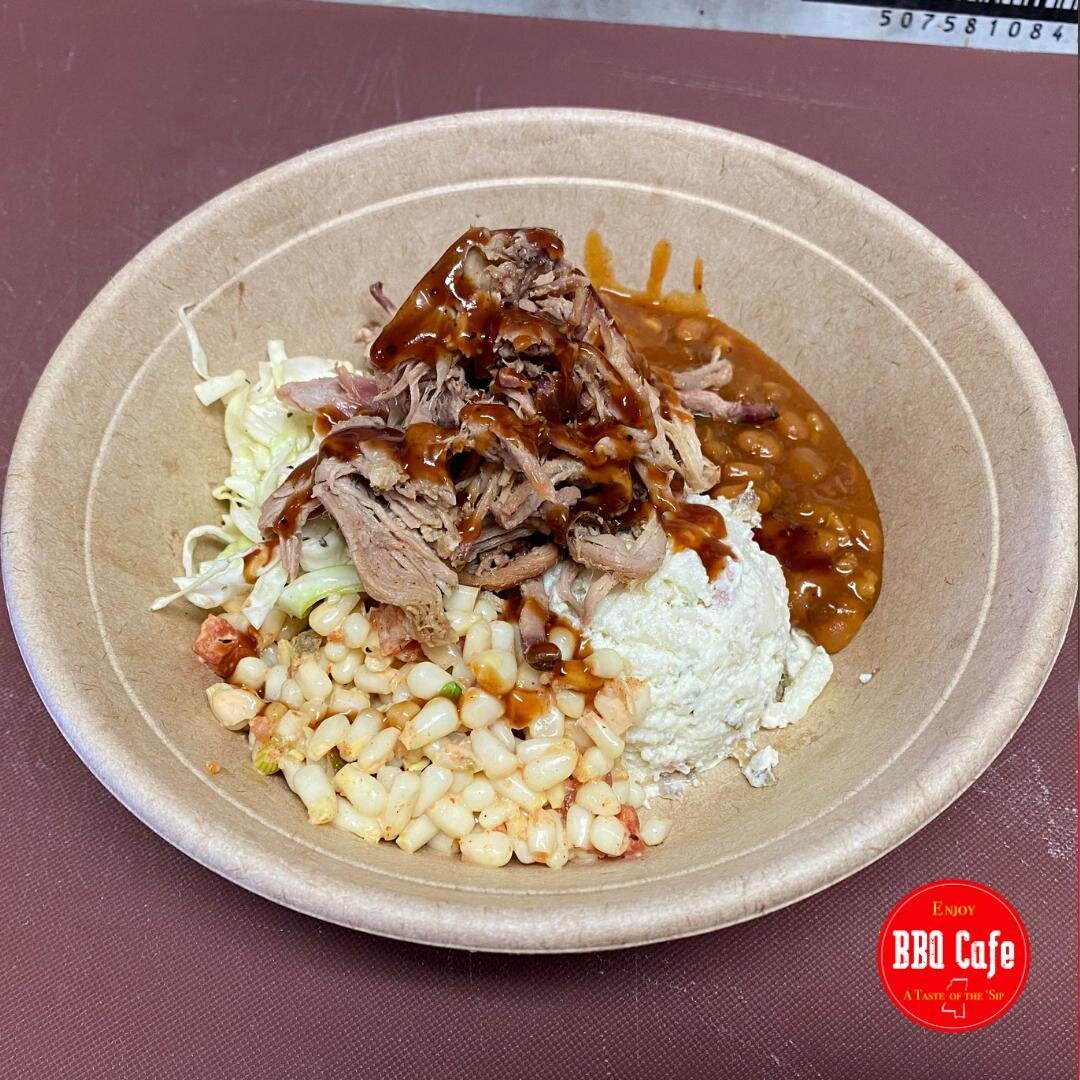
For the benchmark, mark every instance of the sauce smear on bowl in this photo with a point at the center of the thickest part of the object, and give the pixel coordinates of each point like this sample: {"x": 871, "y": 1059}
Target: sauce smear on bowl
{"x": 818, "y": 514}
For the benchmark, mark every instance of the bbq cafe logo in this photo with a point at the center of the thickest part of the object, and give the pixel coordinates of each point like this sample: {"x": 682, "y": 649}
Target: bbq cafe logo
{"x": 953, "y": 956}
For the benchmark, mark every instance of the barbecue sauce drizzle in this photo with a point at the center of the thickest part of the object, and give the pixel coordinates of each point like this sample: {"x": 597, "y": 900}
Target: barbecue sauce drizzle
{"x": 445, "y": 316}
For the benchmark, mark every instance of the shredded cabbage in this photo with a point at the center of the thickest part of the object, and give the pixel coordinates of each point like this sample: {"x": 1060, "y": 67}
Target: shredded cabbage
{"x": 198, "y": 357}
{"x": 319, "y": 552}
{"x": 264, "y": 595}
{"x": 196, "y": 534}
{"x": 217, "y": 581}
{"x": 308, "y": 589}
{"x": 266, "y": 439}
{"x": 214, "y": 389}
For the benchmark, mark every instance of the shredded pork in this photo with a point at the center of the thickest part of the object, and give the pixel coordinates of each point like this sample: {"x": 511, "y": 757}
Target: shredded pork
{"x": 504, "y": 423}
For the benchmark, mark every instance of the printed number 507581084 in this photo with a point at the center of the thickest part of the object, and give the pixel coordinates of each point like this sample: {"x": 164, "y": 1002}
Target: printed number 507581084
{"x": 930, "y": 22}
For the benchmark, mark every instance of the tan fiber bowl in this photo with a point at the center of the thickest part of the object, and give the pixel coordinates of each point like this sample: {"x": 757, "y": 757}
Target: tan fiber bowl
{"x": 926, "y": 374}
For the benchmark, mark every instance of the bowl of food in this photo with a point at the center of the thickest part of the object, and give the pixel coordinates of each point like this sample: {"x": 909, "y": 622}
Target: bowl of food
{"x": 606, "y": 536}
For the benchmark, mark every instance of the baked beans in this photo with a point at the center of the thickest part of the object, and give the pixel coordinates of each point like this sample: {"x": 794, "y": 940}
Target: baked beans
{"x": 818, "y": 514}
{"x": 760, "y": 444}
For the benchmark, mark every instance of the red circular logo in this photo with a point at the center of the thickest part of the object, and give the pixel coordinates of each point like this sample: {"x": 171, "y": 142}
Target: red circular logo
{"x": 953, "y": 955}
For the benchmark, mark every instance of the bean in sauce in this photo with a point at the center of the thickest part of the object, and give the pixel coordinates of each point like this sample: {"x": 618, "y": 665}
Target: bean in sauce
{"x": 818, "y": 513}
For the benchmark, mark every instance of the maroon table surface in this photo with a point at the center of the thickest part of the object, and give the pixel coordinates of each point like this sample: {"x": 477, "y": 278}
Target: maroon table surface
{"x": 123, "y": 958}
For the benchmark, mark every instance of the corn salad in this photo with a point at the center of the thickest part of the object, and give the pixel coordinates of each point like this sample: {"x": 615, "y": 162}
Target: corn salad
{"x": 462, "y": 748}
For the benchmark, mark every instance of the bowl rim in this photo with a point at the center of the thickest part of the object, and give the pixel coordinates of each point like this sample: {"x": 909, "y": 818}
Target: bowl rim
{"x": 414, "y": 916}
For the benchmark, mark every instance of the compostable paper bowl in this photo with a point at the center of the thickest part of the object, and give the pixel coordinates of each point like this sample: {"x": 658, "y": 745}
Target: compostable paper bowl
{"x": 927, "y": 376}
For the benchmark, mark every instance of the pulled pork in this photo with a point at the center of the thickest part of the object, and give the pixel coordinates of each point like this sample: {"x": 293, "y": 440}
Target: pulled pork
{"x": 505, "y": 423}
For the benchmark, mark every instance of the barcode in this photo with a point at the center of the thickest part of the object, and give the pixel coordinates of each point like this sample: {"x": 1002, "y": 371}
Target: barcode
{"x": 1063, "y": 11}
